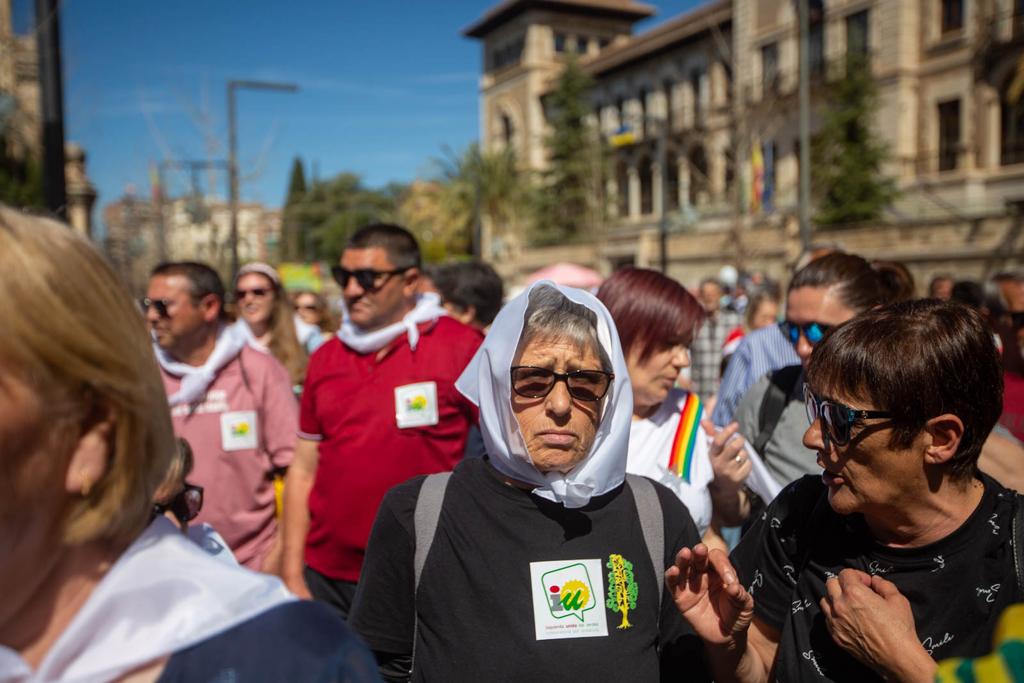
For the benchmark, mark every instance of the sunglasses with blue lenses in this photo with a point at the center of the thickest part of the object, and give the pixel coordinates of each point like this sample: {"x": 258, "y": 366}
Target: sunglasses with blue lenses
{"x": 813, "y": 332}
{"x": 837, "y": 418}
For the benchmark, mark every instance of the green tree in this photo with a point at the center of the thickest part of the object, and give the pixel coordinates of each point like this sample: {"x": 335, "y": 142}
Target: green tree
{"x": 293, "y": 242}
{"x": 847, "y": 154}
{"x": 331, "y": 210}
{"x": 21, "y": 180}
{"x": 477, "y": 185}
{"x": 569, "y": 201}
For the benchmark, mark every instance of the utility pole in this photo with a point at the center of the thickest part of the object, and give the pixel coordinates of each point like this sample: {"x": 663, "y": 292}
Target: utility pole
{"x": 51, "y": 88}
{"x": 233, "y": 152}
{"x": 663, "y": 220}
{"x": 805, "y": 125}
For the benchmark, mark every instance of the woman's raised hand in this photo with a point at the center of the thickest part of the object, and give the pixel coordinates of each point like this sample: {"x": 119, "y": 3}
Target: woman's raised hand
{"x": 708, "y": 594}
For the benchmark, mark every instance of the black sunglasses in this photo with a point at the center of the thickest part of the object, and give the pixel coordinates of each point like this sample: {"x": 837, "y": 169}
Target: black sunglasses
{"x": 258, "y": 292}
{"x": 367, "y": 279}
{"x": 159, "y": 304}
{"x": 585, "y": 385}
{"x": 837, "y": 418}
{"x": 813, "y": 332}
{"x": 185, "y": 506}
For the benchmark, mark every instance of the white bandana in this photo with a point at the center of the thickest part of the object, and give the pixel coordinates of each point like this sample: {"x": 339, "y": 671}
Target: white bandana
{"x": 195, "y": 380}
{"x": 428, "y": 308}
{"x": 486, "y": 382}
{"x": 164, "y": 594}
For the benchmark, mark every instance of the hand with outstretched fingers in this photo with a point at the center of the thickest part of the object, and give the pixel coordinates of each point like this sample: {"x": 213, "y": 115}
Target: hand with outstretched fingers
{"x": 870, "y": 619}
{"x": 708, "y": 594}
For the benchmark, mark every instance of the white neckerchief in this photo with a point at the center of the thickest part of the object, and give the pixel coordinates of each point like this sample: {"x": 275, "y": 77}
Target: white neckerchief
{"x": 164, "y": 594}
{"x": 195, "y": 380}
{"x": 428, "y": 308}
{"x": 486, "y": 382}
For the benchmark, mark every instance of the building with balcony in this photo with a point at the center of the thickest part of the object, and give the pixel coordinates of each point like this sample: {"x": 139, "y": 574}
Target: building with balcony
{"x": 718, "y": 86}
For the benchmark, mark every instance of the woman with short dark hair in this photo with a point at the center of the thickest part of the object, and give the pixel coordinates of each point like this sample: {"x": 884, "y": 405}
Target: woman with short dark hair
{"x": 902, "y": 551}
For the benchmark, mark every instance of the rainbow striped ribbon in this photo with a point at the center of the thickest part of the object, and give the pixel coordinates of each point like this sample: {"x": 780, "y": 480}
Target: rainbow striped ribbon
{"x": 685, "y": 441}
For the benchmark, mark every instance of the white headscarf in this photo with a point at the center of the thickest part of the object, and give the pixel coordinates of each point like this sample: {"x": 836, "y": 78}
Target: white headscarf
{"x": 231, "y": 339}
{"x": 486, "y": 382}
{"x": 428, "y": 308}
{"x": 163, "y": 595}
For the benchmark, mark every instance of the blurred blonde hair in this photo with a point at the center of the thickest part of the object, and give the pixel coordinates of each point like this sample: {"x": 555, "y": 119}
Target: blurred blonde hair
{"x": 74, "y": 334}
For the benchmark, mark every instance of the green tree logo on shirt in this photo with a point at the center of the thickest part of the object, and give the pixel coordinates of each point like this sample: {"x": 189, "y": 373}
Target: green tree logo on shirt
{"x": 622, "y": 589}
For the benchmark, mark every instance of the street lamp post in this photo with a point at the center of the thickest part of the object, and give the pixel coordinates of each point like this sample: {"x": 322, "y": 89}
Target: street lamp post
{"x": 233, "y": 153}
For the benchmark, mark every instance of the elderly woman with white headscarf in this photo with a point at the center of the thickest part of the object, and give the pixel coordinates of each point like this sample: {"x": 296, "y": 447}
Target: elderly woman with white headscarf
{"x": 543, "y": 559}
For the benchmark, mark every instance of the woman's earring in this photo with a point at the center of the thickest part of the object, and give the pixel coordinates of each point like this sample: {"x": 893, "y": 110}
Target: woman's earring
{"x": 86, "y": 486}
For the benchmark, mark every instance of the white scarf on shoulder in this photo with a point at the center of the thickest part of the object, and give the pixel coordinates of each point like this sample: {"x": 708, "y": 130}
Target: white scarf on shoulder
{"x": 163, "y": 595}
{"x": 428, "y": 308}
{"x": 195, "y": 380}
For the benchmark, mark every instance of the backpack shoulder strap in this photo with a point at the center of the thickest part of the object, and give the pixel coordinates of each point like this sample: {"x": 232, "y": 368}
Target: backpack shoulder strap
{"x": 652, "y": 523}
{"x": 780, "y": 387}
{"x": 425, "y": 518}
{"x": 424, "y": 522}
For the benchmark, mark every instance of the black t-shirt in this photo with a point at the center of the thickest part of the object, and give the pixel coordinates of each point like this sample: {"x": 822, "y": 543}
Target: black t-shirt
{"x": 297, "y": 641}
{"x": 957, "y": 587}
{"x": 476, "y": 600}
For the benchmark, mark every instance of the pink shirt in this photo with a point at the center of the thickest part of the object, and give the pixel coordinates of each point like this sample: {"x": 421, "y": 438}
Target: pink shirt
{"x": 242, "y": 429}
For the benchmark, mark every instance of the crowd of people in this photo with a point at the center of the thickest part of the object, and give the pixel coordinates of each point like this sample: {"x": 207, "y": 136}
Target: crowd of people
{"x": 432, "y": 481}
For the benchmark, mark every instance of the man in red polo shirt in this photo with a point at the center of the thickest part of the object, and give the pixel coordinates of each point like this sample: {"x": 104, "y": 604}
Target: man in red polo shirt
{"x": 379, "y": 406}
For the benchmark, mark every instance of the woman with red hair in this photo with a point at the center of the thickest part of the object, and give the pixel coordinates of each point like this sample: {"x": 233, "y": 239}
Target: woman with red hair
{"x": 670, "y": 442}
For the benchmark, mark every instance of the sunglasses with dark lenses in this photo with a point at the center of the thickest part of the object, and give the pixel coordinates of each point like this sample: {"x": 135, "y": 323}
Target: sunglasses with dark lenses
{"x": 584, "y": 385}
{"x": 367, "y": 279}
{"x": 258, "y": 292}
{"x": 159, "y": 304}
{"x": 185, "y": 506}
{"x": 813, "y": 332}
{"x": 837, "y": 418}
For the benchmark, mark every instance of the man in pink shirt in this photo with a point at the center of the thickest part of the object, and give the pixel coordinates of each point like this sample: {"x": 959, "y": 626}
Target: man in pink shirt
{"x": 231, "y": 402}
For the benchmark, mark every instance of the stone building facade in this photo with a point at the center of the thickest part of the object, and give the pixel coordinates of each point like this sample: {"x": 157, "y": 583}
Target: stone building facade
{"x": 141, "y": 233}
{"x": 21, "y": 123}
{"x": 720, "y": 82}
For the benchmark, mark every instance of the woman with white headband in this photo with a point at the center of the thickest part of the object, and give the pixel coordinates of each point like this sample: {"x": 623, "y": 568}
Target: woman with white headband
{"x": 541, "y": 560}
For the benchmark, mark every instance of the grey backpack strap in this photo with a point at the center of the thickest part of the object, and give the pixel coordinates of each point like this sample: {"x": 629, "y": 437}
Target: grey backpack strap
{"x": 652, "y": 523}
{"x": 424, "y": 523}
{"x": 424, "y": 520}
{"x": 780, "y": 387}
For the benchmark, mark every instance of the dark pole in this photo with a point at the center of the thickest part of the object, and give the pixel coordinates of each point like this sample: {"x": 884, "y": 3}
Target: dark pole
{"x": 663, "y": 223}
{"x": 52, "y": 100}
{"x": 805, "y": 126}
{"x": 233, "y": 154}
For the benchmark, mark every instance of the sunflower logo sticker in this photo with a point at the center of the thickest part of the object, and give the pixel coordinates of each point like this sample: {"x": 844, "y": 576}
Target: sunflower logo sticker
{"x": 239, "y": 428}
{"x": 416, "y": 403}
{"x": 568, "y": 599}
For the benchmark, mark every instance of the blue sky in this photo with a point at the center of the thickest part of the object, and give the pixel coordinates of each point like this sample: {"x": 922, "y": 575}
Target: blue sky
{"x": 384, "y": 85}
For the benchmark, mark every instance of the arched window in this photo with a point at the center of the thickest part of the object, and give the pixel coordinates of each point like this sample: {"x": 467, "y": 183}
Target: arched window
{"x": 646, "y": 187}
{"x": 698, "y": 175}
{"x": 1011, "y": 128}
{"x": 671, "y": 182}
{"x": 508, "y": 130}
{"x": 622, "y": 189}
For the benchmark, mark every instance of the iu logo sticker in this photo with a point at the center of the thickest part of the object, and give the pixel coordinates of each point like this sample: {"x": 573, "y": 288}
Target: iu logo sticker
{"x": 566, "y": 599}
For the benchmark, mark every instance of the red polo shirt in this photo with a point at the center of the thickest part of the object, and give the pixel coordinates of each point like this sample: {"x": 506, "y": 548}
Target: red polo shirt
{"x": 349, "y": 406}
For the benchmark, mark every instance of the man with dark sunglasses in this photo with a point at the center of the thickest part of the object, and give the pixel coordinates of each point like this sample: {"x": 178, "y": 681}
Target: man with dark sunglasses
{"x": 231, "y": 402}
{"x": 379, "y": 406}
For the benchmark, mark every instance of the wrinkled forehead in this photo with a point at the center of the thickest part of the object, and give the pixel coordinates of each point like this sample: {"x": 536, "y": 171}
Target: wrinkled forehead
{"x": 549, "y": 343}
